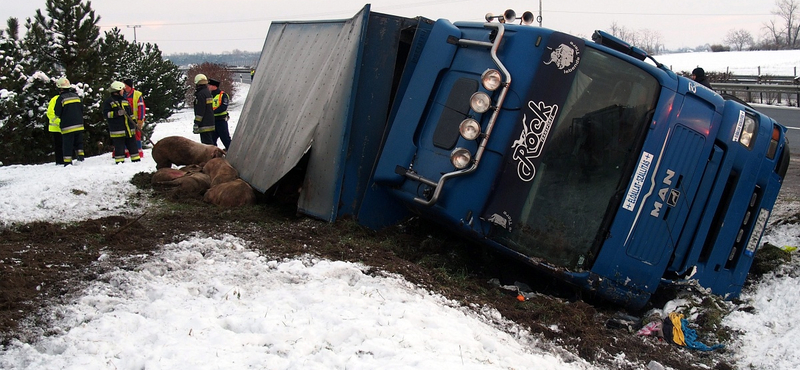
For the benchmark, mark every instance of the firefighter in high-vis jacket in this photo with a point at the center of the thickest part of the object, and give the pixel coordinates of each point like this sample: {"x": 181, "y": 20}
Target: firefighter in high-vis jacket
{"x": 54, "y": 127}
{"x": 138, "y": 108}
{"x": 68, "y": 107}
{"x": 221, "y": 101}
{"x": 203, "y": 110}
{"x": 121, "y": 125}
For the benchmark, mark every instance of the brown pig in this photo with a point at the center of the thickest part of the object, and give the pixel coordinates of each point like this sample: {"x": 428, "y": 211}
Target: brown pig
{"x": 220, "y": 171}
{"x": 234, "y": 193}
{"x": 179, "y": 150}
{"x": 191, "y": 185}
{"x": 192, "y": 168}
{"x": 166, "y": 174}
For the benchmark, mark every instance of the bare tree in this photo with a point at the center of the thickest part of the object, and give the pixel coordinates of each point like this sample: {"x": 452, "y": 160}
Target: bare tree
{"x": 649, "y": 41}
{"x": 624, "y": 34}
{"x": 645, "y": 39}
{"x": 738, "y": 39}
{"x": 786, "y": 33}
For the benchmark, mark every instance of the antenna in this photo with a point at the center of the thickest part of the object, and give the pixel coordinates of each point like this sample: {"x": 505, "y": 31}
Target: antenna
{"x": 539, "y": 18}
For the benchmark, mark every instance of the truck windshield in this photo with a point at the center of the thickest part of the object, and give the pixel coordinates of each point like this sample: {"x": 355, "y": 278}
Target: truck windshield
{"x": 586, "y": 161}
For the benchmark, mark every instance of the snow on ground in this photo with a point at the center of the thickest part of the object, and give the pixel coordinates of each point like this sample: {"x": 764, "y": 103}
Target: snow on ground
{"x": 206, "y": 303}
{"x": 214, "y": 304}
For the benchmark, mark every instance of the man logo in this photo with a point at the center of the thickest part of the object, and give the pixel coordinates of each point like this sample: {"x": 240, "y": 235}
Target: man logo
{"x": 674, "y": 195}
{"x": 666, "y": 195}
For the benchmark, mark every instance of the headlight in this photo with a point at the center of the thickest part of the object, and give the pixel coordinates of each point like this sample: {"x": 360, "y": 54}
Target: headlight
{"x": 469, "y": 129}
{"x": 460, "y": 158}
{"x": 491, "y": 79}
{"x": 480, "y": 102}
{"x": 748, "y": 131}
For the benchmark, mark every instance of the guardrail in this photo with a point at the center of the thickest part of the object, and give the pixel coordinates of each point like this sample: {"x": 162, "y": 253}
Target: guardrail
{"x": 232, "y": 69}
{"x": 781, "y": 80}
{"x": 787, "y": 92}
{"x": 239, "y": 69}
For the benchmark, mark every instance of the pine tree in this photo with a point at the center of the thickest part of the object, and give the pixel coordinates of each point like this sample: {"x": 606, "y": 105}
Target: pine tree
{"x": 159, "y": 80}
{"x": 65, "y": 41}
{"x": 162, "y": 83}
{"x": 23, "y": 102}
{"x": 72, "y": 26}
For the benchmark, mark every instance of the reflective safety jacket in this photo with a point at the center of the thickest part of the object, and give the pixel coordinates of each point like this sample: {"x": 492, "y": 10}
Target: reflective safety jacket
{"x": 221, "y": 105}
{"x": 55, "y": 122}
{"x": 69, "y": 108}
{"x": 136, "y": 102}
{"x": 118, "y": 124}
{"x": 203, "y": 109}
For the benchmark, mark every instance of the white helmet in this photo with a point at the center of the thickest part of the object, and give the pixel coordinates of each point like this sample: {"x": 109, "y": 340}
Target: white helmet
{"x": 63, "y": 83}
{"x": 200, "y": 79}
{"x": 116, "y": 86}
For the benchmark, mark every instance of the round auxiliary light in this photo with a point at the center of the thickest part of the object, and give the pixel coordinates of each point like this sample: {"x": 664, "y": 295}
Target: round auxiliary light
{"x": 460, "y": 158}
{"x": 480, "y": 102}
{"x": 491, "y": 79}
{"x": 469, "y": 129}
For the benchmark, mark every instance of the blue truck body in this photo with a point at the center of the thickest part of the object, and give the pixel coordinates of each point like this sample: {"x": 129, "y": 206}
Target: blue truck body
{"x": 612, "y": 173}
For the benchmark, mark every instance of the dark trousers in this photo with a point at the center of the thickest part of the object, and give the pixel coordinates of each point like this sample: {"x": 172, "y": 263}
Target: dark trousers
{"x": 58, "y": 148}
{"x": 221, "y": 132}
{"x": 122, "y": 143}
{"x": 72, "y": 144}
{"x": 207, "y": 138}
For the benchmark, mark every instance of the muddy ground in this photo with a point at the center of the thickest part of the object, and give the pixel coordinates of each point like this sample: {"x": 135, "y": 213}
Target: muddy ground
{"x": 45, "y": 263}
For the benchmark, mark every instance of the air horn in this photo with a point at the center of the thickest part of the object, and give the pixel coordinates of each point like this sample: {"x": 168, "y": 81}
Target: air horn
{"x": 509, "y": 16}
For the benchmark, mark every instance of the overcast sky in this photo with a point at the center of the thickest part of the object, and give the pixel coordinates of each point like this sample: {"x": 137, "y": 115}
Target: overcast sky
{"x": 220, "y": 26}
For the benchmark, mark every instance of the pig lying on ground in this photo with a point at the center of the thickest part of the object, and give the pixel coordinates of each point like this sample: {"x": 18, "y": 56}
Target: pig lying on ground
{"x": 192, "y": 168}
{"x": 179, "y": 150}
{"x": 220, "y": 171}
{"x": 165, "y": 175}
{"x": 190, "y": 185}
{"x": 234, "y": 193}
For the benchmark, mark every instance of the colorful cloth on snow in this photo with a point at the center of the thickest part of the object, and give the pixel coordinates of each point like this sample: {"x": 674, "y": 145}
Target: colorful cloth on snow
{"x": 677, "y": 330}
{"x": 652, "y": 328}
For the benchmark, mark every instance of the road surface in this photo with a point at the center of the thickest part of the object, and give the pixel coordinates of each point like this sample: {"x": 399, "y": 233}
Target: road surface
{"x": 789, "y": 117}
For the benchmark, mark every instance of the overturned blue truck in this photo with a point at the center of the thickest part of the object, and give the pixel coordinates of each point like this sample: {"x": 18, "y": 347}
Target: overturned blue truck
{"x": 587, "y": 160}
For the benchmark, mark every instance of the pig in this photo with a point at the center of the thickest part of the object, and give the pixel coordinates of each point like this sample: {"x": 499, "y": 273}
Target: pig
{"x": 234, "y": 193}
{"x": 166, "y": 174}
{"x": 192, "y": 168}
{"x": 179, "y": 150}
{"x": 190, "y": 185}
{"x": 220, "y": 171}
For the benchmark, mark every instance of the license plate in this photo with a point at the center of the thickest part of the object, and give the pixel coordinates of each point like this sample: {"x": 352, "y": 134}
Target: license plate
{"x": 758, "y": 228}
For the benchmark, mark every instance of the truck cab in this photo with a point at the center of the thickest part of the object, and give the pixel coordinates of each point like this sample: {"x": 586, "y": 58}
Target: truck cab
{"x": 587, "y": 160}
{"x": 583, "y": 159}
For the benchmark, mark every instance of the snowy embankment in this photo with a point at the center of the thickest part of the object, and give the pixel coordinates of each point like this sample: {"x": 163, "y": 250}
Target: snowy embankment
{"x": 767, "y": 62}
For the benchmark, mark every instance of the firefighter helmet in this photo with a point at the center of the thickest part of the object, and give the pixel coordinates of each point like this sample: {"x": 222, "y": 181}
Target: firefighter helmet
{"x": 63, "y": 83}
{"x": 200, "y": 79}
{"x": 116, "y": 86}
